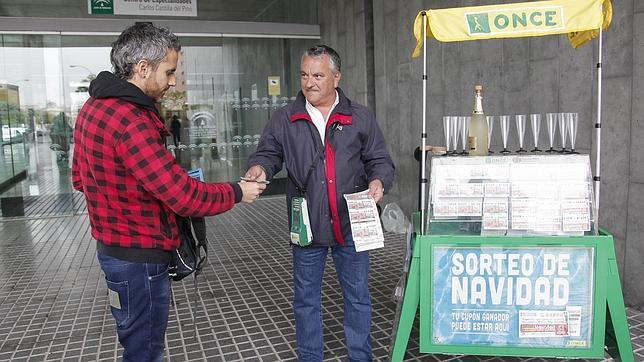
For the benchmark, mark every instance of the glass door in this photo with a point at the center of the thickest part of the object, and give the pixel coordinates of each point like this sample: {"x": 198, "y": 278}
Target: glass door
{"x": 226, "y": 91}
{"x": 36, "y": 133}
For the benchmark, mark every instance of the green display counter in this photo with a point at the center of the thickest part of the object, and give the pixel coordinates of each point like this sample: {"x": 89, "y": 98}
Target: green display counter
{"x": 512, "y": 264}
{"x": 551, "y": 296}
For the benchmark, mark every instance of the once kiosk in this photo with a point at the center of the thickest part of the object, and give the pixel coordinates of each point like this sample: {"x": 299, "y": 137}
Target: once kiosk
{"x": 513, "y": 295}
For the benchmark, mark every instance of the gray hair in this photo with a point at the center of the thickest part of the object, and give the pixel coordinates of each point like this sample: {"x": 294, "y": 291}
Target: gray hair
{"x": 138, "y": 42}
{"x": 319, "y": 50}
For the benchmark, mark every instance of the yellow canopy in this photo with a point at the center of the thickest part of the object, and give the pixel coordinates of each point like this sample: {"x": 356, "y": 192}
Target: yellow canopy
{"x": 580, "y": 19}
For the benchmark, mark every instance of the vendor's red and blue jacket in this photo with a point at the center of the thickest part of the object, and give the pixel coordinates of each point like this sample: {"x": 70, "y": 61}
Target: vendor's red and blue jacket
{"x": 354, "y": 153}
{"x": 132, "y": 184}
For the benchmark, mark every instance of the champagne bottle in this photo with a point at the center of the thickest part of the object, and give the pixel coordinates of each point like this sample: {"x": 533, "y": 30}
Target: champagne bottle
{"x": 477, "y": 139}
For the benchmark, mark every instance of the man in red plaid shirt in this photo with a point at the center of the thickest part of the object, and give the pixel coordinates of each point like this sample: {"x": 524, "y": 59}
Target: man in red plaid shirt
{"x": 133, "y": 186}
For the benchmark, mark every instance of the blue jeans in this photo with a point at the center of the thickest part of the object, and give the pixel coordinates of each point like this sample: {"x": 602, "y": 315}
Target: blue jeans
{"x": 352, "y": 269}
{"x": 140, "y": 302}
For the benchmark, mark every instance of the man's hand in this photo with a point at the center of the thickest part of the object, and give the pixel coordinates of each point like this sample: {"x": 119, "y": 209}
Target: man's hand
{"x": 252, "y": 188}
{"x": 376, "y": 190}
{"x": 256, "y": 173}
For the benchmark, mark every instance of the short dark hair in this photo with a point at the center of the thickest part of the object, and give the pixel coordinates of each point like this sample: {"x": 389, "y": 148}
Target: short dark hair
{"x": 141, "y": 41}
{"x": 321, "y": 49}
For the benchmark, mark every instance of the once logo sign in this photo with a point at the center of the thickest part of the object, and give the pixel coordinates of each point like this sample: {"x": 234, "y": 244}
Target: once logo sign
{"x": 503, "y": 21}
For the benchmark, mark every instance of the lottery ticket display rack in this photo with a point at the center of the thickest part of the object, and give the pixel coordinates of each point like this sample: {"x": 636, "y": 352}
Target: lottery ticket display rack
{"x": 512, "y": 263}
{"x": 516, "y": 266}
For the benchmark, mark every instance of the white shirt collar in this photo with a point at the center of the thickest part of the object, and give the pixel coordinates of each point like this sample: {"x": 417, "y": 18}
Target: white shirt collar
{"x": 316, "y": 115}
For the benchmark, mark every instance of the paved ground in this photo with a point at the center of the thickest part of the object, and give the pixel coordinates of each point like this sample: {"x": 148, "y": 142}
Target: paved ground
{"x": 53, "y": 300}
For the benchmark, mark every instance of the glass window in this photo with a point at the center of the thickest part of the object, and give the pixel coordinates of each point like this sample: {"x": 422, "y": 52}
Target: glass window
{"x": 221, "y": 103}
{"x": 228, "y": 100}
{"x": 36, "y": 126}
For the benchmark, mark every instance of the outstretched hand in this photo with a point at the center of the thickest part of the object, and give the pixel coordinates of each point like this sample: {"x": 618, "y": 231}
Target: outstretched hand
{"x": 254, "y": 186}
{"x": 255, "y": 173}
{"x": 376, "y": 190}
{"x": 251, "y": 190}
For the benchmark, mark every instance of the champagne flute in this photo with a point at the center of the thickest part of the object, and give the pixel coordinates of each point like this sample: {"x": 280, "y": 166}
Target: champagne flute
{"x": 561, "y": 118}
{"x": 504, "y": 121}
{"x": 447, "y": 132}
{"x": 572, "y": 121}
{"x": 490, "y": 125}
{"x": 551, "y": 122}
{"x": 455, "y": 129}
{"x": 520, "y": 122}
{"x": 535, "y": 121}
{"x": 465, "y": 129}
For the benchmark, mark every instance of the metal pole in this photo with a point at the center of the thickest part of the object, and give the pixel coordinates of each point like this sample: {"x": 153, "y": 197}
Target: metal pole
{"x": 598, "y": 129}
{"x": 423, "y": 135}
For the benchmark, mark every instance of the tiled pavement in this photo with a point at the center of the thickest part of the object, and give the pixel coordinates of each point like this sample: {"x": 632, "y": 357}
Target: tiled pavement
{"x": 53, "y": 300}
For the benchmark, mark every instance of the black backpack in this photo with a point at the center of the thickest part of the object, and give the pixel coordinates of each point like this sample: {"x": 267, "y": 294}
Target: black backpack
{"x": 192, "y": 253}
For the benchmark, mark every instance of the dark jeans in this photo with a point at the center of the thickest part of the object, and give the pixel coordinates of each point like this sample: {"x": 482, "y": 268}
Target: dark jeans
{"x": 352, "y": 269}
{"x": 140, "y": 302}
{"x": 176, "y": 138}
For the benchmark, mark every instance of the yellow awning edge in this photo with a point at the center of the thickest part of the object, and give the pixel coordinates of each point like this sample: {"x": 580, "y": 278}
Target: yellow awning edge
{"x": 578, "y": 39}
{"x": 580, "y": 19}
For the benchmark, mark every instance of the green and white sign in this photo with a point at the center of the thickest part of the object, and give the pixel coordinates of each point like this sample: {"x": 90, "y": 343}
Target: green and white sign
{"x": 101, "y": 6}
{"x": 145, "y": 8}
{"x": 521, "y": 20}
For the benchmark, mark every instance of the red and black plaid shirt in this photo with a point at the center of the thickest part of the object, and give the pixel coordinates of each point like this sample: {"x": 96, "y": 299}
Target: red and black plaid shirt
{"x": 131, "y": 182}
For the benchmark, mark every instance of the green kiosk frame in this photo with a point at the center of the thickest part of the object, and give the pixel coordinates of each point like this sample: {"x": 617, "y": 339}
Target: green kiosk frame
{"x": 609, "y": 324}
{"x": 439, "y": 260}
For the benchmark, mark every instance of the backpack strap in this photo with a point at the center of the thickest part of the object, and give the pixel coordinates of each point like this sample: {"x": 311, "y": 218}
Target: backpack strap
{"x": 198, "y": 226}
{"x": 199, "y": 232}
